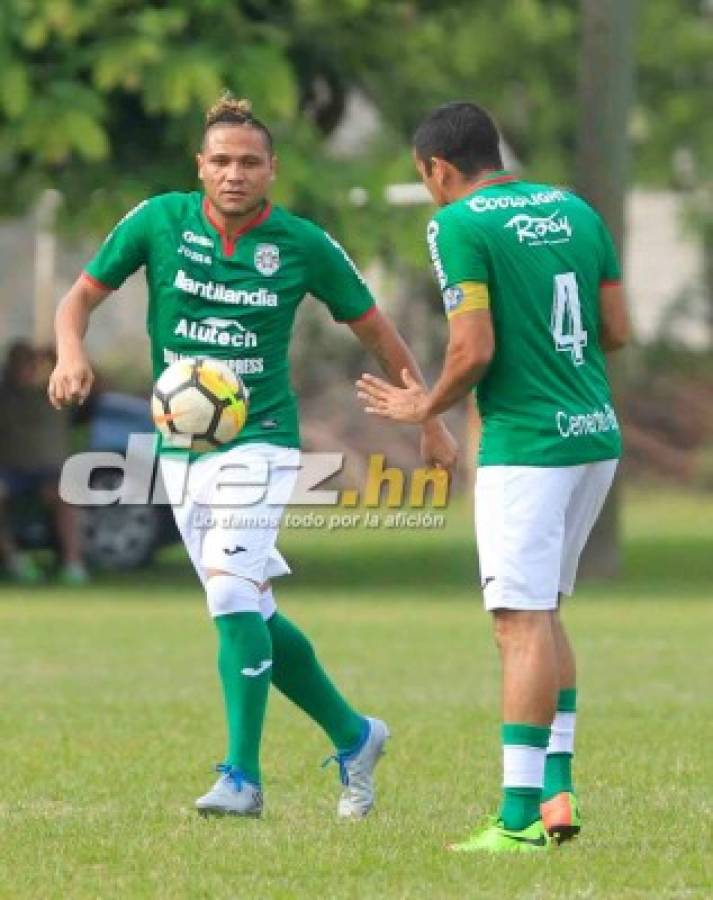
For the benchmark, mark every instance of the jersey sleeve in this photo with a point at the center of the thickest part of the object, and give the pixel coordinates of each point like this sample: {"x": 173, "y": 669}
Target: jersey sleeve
{"x": 124, "y": 250}
{"x": 459, "y": 264}
{"x": 610, "y": 268}
{"x": 334, "y": 279}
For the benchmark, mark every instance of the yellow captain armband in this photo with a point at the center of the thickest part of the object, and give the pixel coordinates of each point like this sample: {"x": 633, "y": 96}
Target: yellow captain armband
{"x": 466, "y": 297}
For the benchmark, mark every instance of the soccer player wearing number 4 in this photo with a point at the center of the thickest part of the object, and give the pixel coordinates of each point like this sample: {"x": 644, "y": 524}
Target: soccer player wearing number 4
{"x": 226, "y": 272}
{"x": 531, "y": 289}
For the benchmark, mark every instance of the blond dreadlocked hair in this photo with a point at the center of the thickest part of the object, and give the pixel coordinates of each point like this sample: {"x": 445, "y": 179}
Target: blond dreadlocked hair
{"x": 229, "y": 111}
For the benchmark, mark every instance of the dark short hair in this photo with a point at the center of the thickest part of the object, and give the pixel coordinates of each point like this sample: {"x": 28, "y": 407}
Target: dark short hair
{"x": 461, "y": 133}
{"x": 229, "y": 111}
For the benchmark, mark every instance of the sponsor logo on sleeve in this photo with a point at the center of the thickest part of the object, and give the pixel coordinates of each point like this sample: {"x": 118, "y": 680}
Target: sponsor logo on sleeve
{"x": 267, "y": 259}
{"x": 432, "y": 241}
{"x": 453, "y": 297}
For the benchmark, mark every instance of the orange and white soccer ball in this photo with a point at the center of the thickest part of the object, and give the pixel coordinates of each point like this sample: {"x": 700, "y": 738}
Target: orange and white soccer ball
{"x": 199, "y": 404}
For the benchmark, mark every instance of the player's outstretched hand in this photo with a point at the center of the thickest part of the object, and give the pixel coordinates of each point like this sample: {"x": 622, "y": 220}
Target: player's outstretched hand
{"x": 406, "y": 404}
{"x": 70, "y": 382}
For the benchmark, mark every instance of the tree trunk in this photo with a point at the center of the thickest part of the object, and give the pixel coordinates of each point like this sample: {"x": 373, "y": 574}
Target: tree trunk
{"x": 605, "y": 90}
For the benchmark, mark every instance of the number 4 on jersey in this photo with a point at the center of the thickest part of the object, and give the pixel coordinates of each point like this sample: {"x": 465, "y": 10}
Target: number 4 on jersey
{"x": 567, "y": 328}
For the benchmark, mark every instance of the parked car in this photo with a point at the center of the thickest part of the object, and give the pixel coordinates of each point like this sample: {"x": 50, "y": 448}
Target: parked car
{"x": 120, "y": 536}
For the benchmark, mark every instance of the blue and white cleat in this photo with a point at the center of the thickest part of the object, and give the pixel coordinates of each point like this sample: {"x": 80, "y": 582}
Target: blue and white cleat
{"x": 231, "y": 795}
{"x": 356, "y": 770}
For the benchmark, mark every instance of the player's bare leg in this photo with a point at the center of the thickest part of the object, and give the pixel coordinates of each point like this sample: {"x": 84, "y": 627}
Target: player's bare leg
{"x": 19, "y": 566}
{"x": 67, "y": 523}
{"x": 530, "y": 680}
{"x": 530, "y": 667}
{"x": 560, "y": 812}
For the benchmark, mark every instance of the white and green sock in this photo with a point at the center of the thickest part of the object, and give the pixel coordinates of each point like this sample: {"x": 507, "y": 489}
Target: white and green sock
{"x": 560, "y": 750}
{"x": 524, "y": 748}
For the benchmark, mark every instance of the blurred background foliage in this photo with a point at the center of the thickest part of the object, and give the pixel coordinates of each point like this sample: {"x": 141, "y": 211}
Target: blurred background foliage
{"x": 104, "y": 99}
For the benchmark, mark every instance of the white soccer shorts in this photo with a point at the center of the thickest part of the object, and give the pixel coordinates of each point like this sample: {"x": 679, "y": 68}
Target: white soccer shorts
{"x": 531, "y": 526}
{"x": 228, "y": 508}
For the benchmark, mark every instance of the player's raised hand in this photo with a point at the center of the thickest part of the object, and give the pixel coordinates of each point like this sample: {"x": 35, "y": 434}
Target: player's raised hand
{"x": 71, "y": 381}
{"x": 406, "y": 404}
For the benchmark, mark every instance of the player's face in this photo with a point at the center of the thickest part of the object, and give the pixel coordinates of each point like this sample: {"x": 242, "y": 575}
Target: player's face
{"x": 236, "y": 168}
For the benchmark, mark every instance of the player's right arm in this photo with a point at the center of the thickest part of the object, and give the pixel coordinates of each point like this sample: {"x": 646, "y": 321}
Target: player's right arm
{"x": 72, "y": 378}
{"x": 123, "y": 252}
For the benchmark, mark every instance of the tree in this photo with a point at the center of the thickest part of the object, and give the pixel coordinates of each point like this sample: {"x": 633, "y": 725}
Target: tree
{"x": 103, "y": 100}
{"x": 605, "y": 93}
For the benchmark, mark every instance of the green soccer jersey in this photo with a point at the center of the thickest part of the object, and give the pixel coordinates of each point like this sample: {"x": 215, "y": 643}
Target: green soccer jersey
{"x": 543, "y": 253}
{"x": 233, "y": 300}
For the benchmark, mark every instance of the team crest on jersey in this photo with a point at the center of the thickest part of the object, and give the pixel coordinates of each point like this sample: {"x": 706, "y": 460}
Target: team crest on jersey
{"x": 267, "y": 259}
{"x": 452, "y": 298}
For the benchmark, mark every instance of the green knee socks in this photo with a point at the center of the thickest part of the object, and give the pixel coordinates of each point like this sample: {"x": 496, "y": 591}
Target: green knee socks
{"x": 298, "y": 675}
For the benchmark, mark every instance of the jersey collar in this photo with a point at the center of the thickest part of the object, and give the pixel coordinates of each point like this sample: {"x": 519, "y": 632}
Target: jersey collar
{"x": 228, "y": 243}
{"x": 493, "y": 178}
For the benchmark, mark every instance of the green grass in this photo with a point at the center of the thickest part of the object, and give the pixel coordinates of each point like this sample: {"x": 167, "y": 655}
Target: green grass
{"x": 110, "y": 719}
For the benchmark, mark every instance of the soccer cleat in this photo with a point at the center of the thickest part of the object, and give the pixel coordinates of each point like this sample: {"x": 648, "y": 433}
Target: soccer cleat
{"x": 356, "y": 771}
{"x": 231, "y": 795}
{"x": 495, "y": 838}
{"x": 560, "y": 816}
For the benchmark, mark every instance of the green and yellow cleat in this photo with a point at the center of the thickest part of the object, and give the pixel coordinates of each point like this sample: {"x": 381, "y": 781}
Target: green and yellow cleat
{"x": 561, "y": 818}
{"x": 495, "y": 838}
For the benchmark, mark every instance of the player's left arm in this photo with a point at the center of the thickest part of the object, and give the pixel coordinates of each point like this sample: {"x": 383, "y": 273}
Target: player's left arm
{"x": 378, "y": 334}
{"x": 471, "y": 345}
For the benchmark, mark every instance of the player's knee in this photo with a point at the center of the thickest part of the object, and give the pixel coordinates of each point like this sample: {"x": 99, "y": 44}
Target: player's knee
{"x": 515, "y": 626}
{"x": 227, "y": 594}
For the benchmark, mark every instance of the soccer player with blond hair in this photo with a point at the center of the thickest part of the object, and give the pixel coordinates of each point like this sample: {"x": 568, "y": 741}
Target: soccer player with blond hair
{"x": 226, "y": 271}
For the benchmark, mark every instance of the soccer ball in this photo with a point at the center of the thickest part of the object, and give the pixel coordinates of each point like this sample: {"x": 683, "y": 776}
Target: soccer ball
{"x": 199, "y": 404}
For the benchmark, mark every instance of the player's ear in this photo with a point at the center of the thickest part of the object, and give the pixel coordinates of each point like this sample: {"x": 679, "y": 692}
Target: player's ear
{"x": 274, "y": 165}
{"x": 199, "y": 165}
{"x": 439, "y": 169}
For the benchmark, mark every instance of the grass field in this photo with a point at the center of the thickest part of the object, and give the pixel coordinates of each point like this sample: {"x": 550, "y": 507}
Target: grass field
{"x": 110, "y": 721}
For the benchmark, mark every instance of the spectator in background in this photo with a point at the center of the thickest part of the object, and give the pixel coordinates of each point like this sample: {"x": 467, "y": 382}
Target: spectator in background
{"x": 34, "y": 444}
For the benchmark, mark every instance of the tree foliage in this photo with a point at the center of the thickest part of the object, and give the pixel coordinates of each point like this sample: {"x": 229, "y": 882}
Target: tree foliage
{"x": 103, "y": 99}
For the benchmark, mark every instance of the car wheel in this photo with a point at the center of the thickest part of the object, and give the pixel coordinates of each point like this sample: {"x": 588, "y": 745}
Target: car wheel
{"x": 120, "y": 536}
